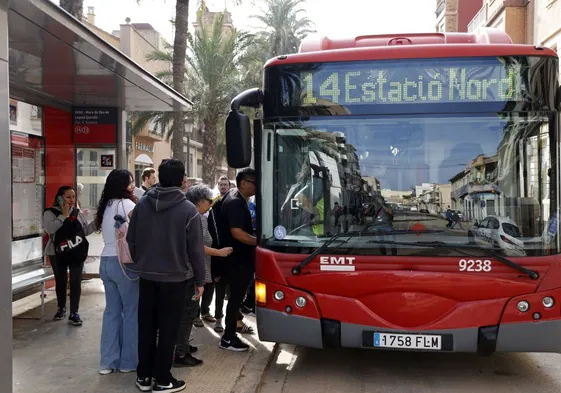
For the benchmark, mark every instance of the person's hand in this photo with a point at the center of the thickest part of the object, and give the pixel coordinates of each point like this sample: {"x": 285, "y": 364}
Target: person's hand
{"x": 198, "y": 293}
{"x": 224, "y": 252}
{"x": 66, "y": 209}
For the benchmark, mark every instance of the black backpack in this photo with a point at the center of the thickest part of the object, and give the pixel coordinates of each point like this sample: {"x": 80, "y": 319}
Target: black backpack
{"x": 216, "y": 227}
{"x": 70, "y": 243}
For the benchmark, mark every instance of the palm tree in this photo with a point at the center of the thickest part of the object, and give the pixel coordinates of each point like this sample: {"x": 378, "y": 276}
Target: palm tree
{"x": 73, "y": 7}
{"x": 178, "y": 77}
{"x": 252, "y": 63}
{"x": 284, "y": 26}
{"x": 212, "y": 78}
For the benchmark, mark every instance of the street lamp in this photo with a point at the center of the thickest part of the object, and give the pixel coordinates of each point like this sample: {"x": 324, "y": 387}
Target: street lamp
{"x": 188, "y": 129}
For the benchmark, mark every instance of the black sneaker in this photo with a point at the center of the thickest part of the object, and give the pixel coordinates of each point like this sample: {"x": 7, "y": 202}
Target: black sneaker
{"x": 74, "y": 319}
{"x": 173, "y": 386}
{"x": 144, "y": 384}
{"x": 187, "y": 361}
{"x": 234, "y": 344}
{"x": 60, "y": 314}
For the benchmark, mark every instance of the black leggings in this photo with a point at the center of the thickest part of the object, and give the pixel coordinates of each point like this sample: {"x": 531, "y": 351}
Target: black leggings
{"x": 60, "y": 270}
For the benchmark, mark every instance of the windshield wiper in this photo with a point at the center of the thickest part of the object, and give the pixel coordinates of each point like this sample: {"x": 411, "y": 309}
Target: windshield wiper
{"x": 298, "y": 269}
{"x": 440, "y": 244}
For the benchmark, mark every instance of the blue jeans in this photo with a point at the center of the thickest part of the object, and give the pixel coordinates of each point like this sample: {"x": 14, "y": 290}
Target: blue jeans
{"x": 119, "y": 332}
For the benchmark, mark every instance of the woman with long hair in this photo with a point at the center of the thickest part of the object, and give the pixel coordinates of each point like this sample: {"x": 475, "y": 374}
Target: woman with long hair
{"x": 64, "y": 206}
{"x": 201, "y": 196}
{"x": 119, "y": 331}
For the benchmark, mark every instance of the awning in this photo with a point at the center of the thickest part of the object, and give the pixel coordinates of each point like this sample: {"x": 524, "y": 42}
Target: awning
{"x": 58, "y": 60}
{"x": 143, "y": 159}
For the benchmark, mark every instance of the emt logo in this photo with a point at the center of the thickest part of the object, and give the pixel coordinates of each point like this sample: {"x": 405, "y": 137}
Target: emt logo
{"x": 337, "y": 264}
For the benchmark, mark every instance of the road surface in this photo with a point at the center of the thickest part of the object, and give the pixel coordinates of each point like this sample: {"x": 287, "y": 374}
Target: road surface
{"x": 298, "y": 369}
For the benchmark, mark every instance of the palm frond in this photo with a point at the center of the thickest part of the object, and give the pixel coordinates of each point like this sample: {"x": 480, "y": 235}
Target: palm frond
{"x": 160, "y": 55}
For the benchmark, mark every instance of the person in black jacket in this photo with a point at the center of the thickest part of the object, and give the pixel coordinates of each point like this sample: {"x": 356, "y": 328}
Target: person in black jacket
{"x": 170, "y": 258}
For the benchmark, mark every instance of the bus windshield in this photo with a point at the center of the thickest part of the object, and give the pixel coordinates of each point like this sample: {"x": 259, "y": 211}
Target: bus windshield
{"x": 486, "y": 179}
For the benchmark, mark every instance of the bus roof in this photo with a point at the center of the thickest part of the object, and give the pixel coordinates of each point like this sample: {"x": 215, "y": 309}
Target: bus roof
{"x": 487, "y": 36}
{"x": 487, "y": 42}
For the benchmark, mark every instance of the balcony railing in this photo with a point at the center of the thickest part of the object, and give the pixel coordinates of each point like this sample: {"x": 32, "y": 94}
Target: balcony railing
{"x": 440, "y": 8}
{"x": 479, "y": 20}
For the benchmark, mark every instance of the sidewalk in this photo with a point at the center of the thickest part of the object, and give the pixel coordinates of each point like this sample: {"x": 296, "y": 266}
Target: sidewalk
{"x": 51, "y": 356}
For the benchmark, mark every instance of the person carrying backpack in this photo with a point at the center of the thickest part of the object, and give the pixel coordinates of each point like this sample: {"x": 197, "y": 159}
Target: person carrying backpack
{"x": 67, "y": 249}
{"x": 119, "y": 327}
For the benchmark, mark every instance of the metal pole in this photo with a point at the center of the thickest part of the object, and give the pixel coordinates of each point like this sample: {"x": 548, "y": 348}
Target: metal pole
{"x": 5, "y": 209}
{"x": 188, "y": 166}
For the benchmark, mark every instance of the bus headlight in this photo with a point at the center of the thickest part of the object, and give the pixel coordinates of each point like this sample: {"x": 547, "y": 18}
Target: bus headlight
{"x": 278, "y": 295}
{"x": 523, "y": 306}
{"x": 301, "y": 301}
{"x": 260, "y": 293}
{"x": 548, "y": 302}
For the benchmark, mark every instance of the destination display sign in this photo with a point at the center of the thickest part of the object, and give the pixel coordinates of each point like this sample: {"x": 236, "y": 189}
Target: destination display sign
{"x": 411, "y": 81}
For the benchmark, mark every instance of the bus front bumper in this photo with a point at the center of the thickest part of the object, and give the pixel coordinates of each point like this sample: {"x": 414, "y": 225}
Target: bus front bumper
{"x": 280, "y": 327}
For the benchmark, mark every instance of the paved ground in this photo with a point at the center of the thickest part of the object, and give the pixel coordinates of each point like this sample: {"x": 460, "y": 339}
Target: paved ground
{"x": 296, "y": 370}
{"x": 54, "y": 357}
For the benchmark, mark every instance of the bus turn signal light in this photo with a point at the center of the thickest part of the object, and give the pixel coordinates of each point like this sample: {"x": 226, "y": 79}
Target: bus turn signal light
{"x": 260, "y": 293}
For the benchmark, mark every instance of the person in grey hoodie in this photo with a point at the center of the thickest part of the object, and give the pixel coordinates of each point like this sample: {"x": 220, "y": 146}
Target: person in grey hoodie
{"x": 165, "y": 239}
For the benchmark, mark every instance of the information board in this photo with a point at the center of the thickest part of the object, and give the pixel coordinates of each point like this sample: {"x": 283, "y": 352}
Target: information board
{"x": 94, "y": 125}
{"x": 27, "y": 185}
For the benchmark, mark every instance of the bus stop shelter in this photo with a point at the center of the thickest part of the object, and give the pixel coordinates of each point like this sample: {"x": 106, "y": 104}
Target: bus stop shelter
{"x": 68, "y": 93}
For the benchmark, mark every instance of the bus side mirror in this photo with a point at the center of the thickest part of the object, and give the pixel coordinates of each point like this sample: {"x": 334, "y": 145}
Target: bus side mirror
{"x": 238, "y": 140}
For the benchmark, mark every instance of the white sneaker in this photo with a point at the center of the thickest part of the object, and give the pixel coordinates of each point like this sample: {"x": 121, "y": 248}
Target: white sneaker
{"x": 127, "y": 370}
{"x": 106, "y": 371}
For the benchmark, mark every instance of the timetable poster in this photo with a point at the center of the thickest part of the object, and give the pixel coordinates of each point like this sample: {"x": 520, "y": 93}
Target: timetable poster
{"x": 27, "y": 185}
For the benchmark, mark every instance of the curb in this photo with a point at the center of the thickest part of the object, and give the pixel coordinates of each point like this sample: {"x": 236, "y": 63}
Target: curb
{"x": 252, "y": 375}
{"x": 272, "y": 357}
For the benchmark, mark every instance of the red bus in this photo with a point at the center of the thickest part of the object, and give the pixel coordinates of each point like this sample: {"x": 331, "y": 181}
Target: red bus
{"x": 408, "y": 193}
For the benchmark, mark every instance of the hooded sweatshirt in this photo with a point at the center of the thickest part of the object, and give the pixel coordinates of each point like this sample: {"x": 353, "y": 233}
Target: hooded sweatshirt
{"x": 165, "y": 237}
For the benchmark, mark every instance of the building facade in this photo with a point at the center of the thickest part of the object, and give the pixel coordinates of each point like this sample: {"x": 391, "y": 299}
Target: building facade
{"x": 547, "y": 24}
{"x": 436, "y": 199}
{"x": 455, "y": 15}
{"x": 147, "y": 147}
{"x": 515, "y": 17}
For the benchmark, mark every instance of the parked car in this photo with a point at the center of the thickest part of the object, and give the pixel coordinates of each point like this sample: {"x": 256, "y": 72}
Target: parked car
{"x": 499, "y": 232}
{"x": 460, "y": 214}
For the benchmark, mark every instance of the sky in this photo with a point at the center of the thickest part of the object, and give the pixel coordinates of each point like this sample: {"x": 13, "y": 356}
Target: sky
{"x": 332, "y": 18}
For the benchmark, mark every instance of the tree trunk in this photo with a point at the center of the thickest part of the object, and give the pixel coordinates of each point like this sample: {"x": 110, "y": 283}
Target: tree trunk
{"x": 73, "y": 7}
{"x": 179, "y": 61}
{"x": 209, "y": 151}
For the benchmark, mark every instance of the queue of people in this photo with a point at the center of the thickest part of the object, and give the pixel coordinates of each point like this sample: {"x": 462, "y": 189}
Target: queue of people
{"x": 168, "y": 246}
